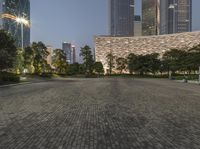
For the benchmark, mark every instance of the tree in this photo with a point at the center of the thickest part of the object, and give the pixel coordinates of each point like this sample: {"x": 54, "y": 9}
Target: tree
{"x": 40, "y": 56}
{"x": 98, "y": 68}
{"x": 174, "y": 59}
{"x": 131, "y": 61}
{"x": 73, "y": 69}
{"x": 194, "y": 57}
{"x": 82, "y": 69}
{"x": 47, "y": 67}
{"x": 154, "y": 62}
{"x": 163, "y": 67}
{"x": 8, "y": 51}
{"x": 29, "y": 59}
{"x": 88, "y": 59}
{"x": 60, "y": 61}
{"x": 141, "y": 64}
{"x": 121, "y": 64}
{"x": 110, "y": 58}
{"x": 19, "y": 62}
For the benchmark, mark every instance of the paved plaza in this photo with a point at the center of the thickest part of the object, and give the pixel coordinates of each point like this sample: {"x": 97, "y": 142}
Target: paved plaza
{"x": 100, "y": 114}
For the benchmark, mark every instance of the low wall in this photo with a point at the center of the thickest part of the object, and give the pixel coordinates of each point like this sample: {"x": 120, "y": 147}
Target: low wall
{"x": 123, "y": 46}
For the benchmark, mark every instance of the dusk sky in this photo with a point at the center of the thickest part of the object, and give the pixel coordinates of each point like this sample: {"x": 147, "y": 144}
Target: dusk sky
{"x": 76, "y": 21}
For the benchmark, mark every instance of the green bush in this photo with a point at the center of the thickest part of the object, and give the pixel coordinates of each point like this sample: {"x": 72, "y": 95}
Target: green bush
{"x": 9, "y": 77}
{"x": 46, "y": 75}
{"x": 188, "y": 77}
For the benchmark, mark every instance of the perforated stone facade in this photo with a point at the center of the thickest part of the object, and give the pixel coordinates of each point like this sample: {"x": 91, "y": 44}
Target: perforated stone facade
{"x": 123, "y": 46}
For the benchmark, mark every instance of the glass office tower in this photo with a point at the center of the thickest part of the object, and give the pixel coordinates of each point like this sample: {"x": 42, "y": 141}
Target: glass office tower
{"x": 67, "y": 48}
{"x": 179, "y": 16}
{"x": 166, "y": 16}
{"x": 9, "y": 11}
{"x": 121, "y": 17}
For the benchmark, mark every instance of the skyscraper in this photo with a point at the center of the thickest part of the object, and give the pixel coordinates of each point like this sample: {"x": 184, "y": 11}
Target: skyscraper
{"x": 10, "y": 10}
{"x": 70, "y": 51}
{"x": 73, "y": 54}
{"x": 166, "y": 16}
{"x": 149, "y": 17}
{"x": 179, "y": 16}
{"x": 121, "y": 17}
{"x": 163, "y": 28}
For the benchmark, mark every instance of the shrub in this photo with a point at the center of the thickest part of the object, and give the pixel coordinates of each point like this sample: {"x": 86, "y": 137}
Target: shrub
{"x": 9, "y": 77}
{"x": 46, "y": 75}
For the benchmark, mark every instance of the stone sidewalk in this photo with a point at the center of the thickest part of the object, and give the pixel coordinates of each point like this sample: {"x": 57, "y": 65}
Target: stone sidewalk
{"x": 100, "y": 114}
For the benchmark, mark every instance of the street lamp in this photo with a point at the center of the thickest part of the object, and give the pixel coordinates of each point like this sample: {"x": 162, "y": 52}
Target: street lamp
{"x": 22, "y": 21}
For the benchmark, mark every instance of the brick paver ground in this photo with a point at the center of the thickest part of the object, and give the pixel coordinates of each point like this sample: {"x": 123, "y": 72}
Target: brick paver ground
{"x": 100, "y": 114}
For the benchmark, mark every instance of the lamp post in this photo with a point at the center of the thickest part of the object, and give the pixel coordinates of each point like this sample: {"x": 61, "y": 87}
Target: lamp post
{"x": 22, "y": 22}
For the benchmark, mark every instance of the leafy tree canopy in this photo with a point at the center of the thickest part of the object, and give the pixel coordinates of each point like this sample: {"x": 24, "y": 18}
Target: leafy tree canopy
{"x": 7, "y": 50}
{"x": 60, "y": 61}
{"x": 98, "y": 67}
{"x": 86, "y": 53}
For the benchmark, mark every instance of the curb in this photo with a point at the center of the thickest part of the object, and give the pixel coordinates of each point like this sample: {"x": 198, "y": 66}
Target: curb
{"x": 15, "y": 84}
{"x": 189, "y": 82}
{"x": 23, "y": 83}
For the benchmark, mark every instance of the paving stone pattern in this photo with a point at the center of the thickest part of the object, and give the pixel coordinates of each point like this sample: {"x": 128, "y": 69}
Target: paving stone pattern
{"x": 100, "y": 114}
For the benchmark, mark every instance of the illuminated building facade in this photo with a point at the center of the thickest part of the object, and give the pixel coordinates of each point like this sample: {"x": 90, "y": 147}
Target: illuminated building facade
{"x": 9, "y": 11}
{"x": 121, "y": 17}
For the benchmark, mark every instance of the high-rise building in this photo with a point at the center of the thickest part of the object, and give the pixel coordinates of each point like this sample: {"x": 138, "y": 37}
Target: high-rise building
{"x": 179, "y": 16}
{"x": 10, "y": 10}
{"x": 121, "y": 17}
{"x": 70, "y": 51}
{"x": 166, "y": 16}
{"x": 163, "y": 11}
{"x": 137, "y": 26}
{"x": 67, "y": 48}
{"x": 149, "y": 17}
{"x": 73, "y": 54}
